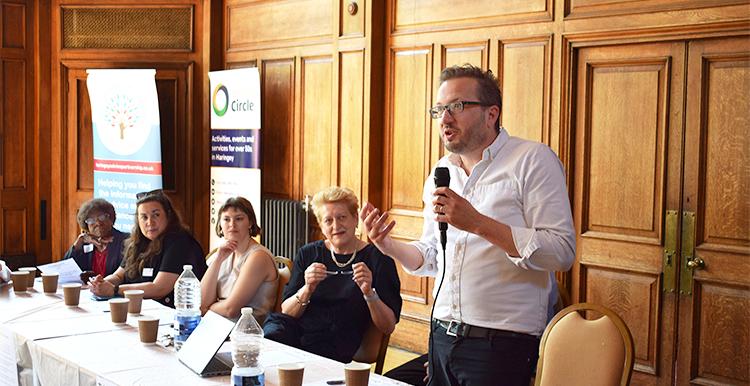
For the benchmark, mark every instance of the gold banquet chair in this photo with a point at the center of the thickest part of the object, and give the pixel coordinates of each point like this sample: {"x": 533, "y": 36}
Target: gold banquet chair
{"x": 577, "y": 351}
{"x": 284, "y": 266}
{"x": 373, "y": 348}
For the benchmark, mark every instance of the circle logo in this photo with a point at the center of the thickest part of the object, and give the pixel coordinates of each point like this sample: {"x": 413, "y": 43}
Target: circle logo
{"x": 219, "y": 98}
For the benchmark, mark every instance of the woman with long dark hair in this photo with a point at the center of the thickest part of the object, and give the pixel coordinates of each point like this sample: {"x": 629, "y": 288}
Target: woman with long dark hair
{"x": 158, "y": 247}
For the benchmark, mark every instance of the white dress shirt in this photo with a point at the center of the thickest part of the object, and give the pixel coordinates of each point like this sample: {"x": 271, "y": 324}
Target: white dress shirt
{"x": 521, "y": 184}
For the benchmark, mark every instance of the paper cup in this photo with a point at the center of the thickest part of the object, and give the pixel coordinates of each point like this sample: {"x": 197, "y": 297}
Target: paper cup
{"x": 291, "y": 374}
{"x": 118, "y": 310}
{"x": 31, "y": 277}
{"x": 71, "y": 294}
{"x": 357, "y": 374}
{"x": 20, "y": 281}
{"x": 49, "y": 282}
{"x": 136, "y": 299}
{"x": 148, "y": 328}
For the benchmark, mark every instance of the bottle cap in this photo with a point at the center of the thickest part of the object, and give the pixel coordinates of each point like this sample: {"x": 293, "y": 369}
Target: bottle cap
{"x": 187, "y": 266}
{"x": 247, "y": 310}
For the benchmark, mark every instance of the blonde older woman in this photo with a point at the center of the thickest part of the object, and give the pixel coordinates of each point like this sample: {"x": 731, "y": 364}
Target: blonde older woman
{"x": 241, "y": 272}
{"x": 331, "y": 298}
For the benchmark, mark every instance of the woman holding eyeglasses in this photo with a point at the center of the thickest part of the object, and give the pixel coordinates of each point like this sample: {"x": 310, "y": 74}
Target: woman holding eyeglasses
{"x": 331, "y": 298}
{"x": 98, "y": 247}
{"x": 241, "y": 272}
{"x": 158, "y": 247}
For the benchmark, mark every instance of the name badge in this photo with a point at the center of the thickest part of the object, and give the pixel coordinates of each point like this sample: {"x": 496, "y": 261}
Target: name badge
{"x": 148, "y": 272}
{"x": 88, "y": 248}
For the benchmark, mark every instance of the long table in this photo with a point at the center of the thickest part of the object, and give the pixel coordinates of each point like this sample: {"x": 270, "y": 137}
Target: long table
{"x": 59, "y": 345}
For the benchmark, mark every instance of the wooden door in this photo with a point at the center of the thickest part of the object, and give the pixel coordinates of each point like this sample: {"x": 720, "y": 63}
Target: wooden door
{"x": 18, "y": 209}
{"x": 626, "y": 183}
{"x": 714, "y": 323}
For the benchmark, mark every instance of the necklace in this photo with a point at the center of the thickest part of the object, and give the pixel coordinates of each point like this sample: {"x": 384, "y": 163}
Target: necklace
{"x": 340, "y": 265}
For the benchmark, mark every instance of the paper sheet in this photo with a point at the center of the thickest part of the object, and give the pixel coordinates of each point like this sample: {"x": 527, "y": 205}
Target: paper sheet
{"x": 8, "y": 370}
{"x": 69, "y": 271}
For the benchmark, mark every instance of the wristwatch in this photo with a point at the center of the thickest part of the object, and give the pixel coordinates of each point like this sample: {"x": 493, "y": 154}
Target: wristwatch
{"x": 372, "y": 297}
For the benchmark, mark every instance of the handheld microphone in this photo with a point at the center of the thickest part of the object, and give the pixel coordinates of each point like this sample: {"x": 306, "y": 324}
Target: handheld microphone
{"x": 442, "y": 179}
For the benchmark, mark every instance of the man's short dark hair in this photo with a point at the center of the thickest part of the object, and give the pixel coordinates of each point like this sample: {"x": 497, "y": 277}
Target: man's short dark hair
{"x": 487, "y": 88}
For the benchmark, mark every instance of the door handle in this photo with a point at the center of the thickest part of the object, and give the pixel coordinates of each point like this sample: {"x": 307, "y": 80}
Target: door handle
{"x": 695, "y": 263}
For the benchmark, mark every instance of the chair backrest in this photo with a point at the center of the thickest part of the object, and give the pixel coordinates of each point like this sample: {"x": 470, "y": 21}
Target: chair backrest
{"x": 284, "y": 266}
{"x": 373, "y": 348}
{"x": 577, "y": 351}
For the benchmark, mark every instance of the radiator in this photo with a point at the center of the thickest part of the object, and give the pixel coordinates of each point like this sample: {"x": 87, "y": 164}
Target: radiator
{"x": 285, "y": 225}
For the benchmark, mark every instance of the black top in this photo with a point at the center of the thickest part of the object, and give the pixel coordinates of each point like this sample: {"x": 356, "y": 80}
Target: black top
{"x": 114, "y": 254}
{"x": 178, "y": 248}
{"x": 338, "y": 313}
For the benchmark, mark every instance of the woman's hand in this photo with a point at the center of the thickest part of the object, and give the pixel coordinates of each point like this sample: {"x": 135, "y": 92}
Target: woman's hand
{"x": 363, "y": 277}
{"x": 314, "y": 274}
{"x": 226, "y": 249}
{"x": 101, "y": 287}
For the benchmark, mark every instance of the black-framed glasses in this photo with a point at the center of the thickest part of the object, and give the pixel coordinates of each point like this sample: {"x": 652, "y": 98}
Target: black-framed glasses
{"x": 155, "y": 192}
{"x": 92, "y": 220}
{"x": 454, "y": 107}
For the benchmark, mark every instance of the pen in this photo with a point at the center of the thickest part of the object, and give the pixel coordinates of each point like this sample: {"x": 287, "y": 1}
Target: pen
{"x": 335, "y": 382}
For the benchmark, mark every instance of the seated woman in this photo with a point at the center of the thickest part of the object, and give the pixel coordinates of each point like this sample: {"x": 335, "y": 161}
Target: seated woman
{"x": 158, "y": 247}
{"x": 99, "y": 246}
{"x": 241, "y": 272}
{"x": 330, "y": 299}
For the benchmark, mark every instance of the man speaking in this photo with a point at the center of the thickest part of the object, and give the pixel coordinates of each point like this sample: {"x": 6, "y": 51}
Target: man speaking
{"x": 509, "y": 225}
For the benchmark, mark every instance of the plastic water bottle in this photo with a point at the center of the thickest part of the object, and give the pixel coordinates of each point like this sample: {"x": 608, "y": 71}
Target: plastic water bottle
{"x": 187, "y": 301}
{"x": 247, "y": 337}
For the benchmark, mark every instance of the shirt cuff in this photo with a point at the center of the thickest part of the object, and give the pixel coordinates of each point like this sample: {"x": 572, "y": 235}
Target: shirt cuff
{"x": 526, "y": 242}
{"x": 429, "y": 260}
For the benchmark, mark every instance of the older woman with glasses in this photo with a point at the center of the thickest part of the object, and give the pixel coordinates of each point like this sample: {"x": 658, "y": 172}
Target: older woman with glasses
{"x": 158, "y": 247}
{"x": 331, "y": 297}
{"x": 241, "y": 272}
{"x": 98, "y": 248}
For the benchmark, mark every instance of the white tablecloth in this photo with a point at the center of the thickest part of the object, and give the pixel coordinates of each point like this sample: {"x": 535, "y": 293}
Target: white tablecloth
{"x": 67, "y": 346}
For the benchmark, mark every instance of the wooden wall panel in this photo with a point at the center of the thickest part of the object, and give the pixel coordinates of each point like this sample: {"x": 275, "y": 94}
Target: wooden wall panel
{"x": 727, "y": 132}
{"x": 723, "y": 334}
{"x": 277, "y": 141}
{"x": 83, "y": 140}
{"x": 318, "y": 163}
{"x": 635, "y": 297}
{"x": 415, "y": 15}
{"x": 351, "y": 120}
{"x": 409, "y": 128}
{"x": 14, "y": 234}
{"x": 625, "y": 183}
{"x": 525, "y": 78}
{"x": 170, "y": 111}
{"x": 249, "y": 23}
{"x": 14, "y": 130}
{"x": 598, "y": 8}
{"x": 14, "y": 25}
{"x": 458, "y": 54}
{"x": 352, "y": 24}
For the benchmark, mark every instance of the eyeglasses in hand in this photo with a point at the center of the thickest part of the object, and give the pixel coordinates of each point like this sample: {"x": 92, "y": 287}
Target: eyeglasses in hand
{"x": 454, "y": 107}
{"x": 339, "y": 272}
